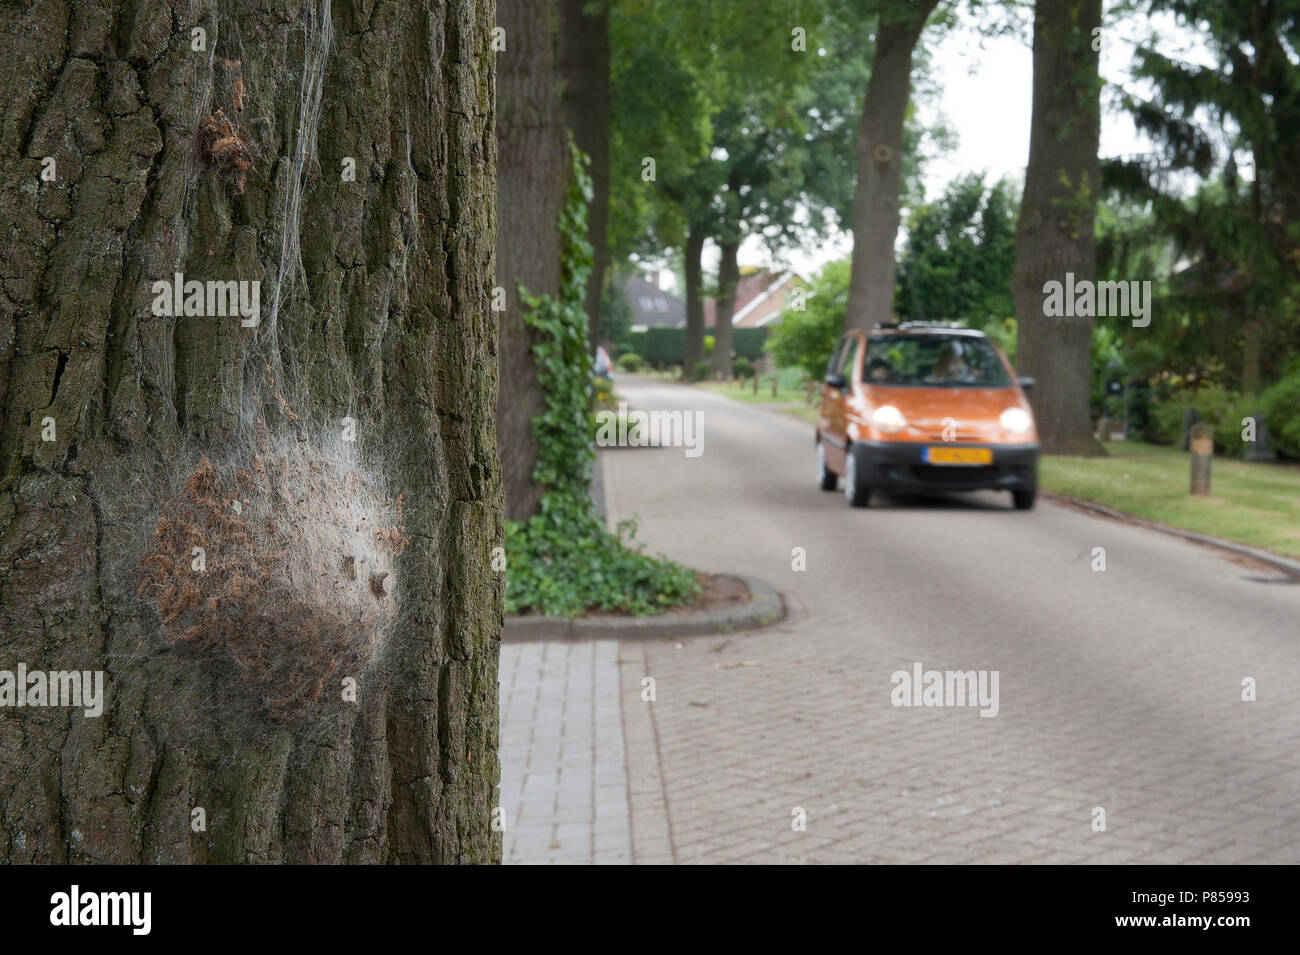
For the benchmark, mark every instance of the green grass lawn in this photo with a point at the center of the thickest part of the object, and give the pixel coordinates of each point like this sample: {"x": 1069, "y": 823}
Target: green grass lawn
{"x": 789, "y": 398}
{"x": 746, "y": 392}
{"x": 1253, "y": 504}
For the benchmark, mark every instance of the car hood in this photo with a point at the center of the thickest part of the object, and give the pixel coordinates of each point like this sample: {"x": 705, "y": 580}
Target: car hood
{"x": 921, "y": 403}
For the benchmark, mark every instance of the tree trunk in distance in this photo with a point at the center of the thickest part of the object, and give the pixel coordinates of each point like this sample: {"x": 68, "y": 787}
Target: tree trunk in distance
{"x": 728, "y": 276}
{"x": 532, "y": 175}
{"x": 694, "y": 349}
{"x": 880, "y": 165}
{"x": 584, "y": 64}
{"x": 374, "y": 308}
{"x": 1055, "y": 233}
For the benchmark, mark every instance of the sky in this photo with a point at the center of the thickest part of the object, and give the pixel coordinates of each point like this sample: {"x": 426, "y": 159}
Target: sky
{"x": 985, "y": 94}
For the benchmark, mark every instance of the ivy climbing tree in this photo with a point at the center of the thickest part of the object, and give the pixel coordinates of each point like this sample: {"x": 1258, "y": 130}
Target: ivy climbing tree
{"x": 562, "y": 560}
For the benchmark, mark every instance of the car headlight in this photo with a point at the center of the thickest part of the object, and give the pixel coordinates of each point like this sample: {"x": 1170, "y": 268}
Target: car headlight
{"x": 888, "y": 419}
{"x": 1016, "y": 419}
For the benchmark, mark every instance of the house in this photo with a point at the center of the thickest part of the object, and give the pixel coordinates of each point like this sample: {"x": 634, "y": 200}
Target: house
{"x": 760, "y": 296}
{"x": 651, "y": 305}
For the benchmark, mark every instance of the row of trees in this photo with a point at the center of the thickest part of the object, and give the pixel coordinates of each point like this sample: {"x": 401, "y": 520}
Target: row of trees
{"x": 779, "y": 120}
{"x": 1223, "y": 260}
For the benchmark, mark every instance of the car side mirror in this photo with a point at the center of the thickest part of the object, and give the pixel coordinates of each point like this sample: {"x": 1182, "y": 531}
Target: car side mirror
{"x": 836, "y": 380}
{"x": 1025, "y": 382}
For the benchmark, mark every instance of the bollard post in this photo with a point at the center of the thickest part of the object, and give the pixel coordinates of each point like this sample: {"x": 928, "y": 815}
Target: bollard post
{"x": 1201, "y": 444}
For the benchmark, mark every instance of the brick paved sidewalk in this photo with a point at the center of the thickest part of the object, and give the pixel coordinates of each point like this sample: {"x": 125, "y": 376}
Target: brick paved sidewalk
{"x": 563, "y": 778}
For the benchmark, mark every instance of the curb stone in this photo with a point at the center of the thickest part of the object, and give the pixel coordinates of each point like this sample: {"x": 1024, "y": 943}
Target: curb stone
{"x": 1283, "y": 564}
{"x": 765, "y": 608}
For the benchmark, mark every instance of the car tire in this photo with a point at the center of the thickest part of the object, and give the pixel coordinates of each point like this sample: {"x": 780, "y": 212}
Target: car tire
{"x": 1024, "y": 500}
{"x": 855, "y": 492}
{"x": 826, "y": 478}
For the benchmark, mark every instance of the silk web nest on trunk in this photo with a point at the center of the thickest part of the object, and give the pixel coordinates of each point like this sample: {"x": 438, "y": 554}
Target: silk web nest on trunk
{"x": 224, "y": 144}
{"x": 277, "y": 572}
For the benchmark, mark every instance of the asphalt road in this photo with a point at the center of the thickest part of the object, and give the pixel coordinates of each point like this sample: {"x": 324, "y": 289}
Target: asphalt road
{"x": 1118, "y": 691}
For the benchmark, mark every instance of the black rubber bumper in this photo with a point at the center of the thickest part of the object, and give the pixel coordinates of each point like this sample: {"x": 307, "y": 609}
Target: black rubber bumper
{"x": 899, "y": 466}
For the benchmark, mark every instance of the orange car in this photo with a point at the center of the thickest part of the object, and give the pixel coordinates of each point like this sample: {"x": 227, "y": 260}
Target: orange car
{"x": 925, "y": 407}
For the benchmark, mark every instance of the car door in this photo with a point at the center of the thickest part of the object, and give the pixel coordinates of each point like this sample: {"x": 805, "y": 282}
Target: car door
{"x": 835, "y": 391}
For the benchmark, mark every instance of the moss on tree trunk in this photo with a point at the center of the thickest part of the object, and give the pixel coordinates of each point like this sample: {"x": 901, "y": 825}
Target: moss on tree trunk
{"x": 374, "y": 306}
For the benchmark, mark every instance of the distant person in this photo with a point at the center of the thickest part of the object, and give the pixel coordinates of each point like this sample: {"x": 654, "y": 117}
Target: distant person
{"x": 603, "y": 364}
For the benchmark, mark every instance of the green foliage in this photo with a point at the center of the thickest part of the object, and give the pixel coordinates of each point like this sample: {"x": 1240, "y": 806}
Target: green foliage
{"x": 562, "y": 561}
{"x": 1228, "y": 119}
{"x": 747, "y": 134}
{"x": 709, "y": 342}
{"x": 700, "y": 371}
{"x": 748, "y": 343}
{"x": 629, "y": 361}
{"x": 664, "y": 347}
{"x": 1216, "y": 405}
{"x": 742, "y": 367}
{"x": 1105, "y": 366}
{"x": 602, "y": 392}
{"x": 959, "y": 256}
{"x": 632, "y": 341}
{"x": 615, "y": 315}
{"x": 1003, "y": 334}
{"x": 1280, "y": 406}
{"x": 805, "y": 339}
{"x": 579, "y": 566}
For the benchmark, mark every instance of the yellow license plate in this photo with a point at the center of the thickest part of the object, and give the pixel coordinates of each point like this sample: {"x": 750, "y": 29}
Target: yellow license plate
{"x": 958, "y": 456}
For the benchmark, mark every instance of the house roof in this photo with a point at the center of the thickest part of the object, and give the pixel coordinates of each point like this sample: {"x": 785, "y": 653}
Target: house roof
{"x": 652, "y": 305}
{"x": 760, "y": 296}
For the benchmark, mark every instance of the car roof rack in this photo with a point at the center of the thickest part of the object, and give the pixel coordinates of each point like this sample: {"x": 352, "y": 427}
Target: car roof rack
{"x": 935, "y": 327}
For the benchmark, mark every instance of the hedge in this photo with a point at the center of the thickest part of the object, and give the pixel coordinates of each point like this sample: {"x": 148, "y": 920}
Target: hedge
{"x": 667, "y": 346}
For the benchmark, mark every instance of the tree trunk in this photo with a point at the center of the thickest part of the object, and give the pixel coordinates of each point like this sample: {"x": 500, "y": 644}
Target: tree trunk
{"x": 694, "y": 353}
{"x": 532, "y": 175}
{"x": 584, "y": 64}
{"x": 374, "y": 318}
{"x": 728, "y": 276}
{"x": 1055, "y": 232}
{"x": 880, "y": 166}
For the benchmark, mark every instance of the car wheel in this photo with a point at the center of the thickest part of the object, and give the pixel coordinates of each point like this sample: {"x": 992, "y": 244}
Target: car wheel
{"x": 857, "y": 494}
{"x": 826, "y": 478}
{"x": 1024, "y": 500}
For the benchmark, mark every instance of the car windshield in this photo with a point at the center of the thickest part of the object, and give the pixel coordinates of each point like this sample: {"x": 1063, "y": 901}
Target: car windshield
{"x": 934, "y": 361}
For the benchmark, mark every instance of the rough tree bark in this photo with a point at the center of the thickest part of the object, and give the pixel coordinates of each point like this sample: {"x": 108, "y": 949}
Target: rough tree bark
{"x": 383, "y": 286}
{"x": 532, "y": 175}
{"x": 1055, "y": 232}
{"x": 728, "y": 276}
{"x": 584, "y": 65}
{"x": 694, "y": 347}
{"x": 880, "y": 163}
